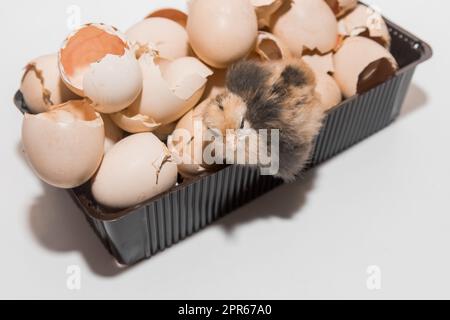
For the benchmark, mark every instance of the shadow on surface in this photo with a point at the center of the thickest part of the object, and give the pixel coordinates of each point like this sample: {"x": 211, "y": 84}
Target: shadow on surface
{"x": 283, "y": 203}
{"x": 416, "y": 98}
{"x": 60, "y": 226}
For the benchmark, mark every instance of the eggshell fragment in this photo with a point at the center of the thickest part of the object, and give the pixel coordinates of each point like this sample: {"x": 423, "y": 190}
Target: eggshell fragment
{"x": 136, "y": 169}
{"x": 186, "y": 145}
{"x": 165, "y": 131}
{"x": 327, "y": 89}
{"x": 306, "y": 25}
{"x": 96, "y": 62}
{"x": 265, "y": 9}
{"x": 167, "y": 95}
{"x": 165, "y": 36}
{"x": 341, "y": 7}
{"x": 113, "y": 133}
{"x": 270, "y": 48}
{"x": 173, "y": 14}
{"x": 42, "y": 86}
{"x": 361, "y": 64}
{"x": 64, "y": 146}
{"x": 222, "y": 32}
{"x": 365, "y": 21}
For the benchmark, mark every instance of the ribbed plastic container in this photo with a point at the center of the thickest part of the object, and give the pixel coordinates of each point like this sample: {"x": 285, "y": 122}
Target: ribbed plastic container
{"x": 141, "y": 232}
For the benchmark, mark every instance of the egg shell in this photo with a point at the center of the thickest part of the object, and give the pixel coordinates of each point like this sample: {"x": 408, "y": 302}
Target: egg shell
{"x": 168, "y": 95}
{"x": 163, "y": 132}
{"x": 341, "y": 7}
{"x": 188, "y": 147}
{"x": 169, "y": 38}
{"x": 173, "y": 14}
{"x": 328, "y": 91}
{"x": 306, "y": 25}
{"x": 113, "y": 83}
{"x": 265, "y": 9}
{"x": 367, "y": 22}
{"x": 113, "y": 133}
{"x": 222, "y": 32}
{"x": 42, "y": 86}
{"x": 64, "y": 146}
{"x": 352, "y": 60}
{"x": 320, "y": 63}
{"x": 270, "y": 48}
{"x": 136, "y": 169}
{"x": 96, "y": 62}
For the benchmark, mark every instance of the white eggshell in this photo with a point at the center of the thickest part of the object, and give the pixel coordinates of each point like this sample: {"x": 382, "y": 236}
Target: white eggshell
{"x": 353, "y": 57}
{"x": 64, "y": 146}
{"x": 328, "y": 91}
{"x": 365, "y": 21}
{"x": 42, "y": 86}
{"x": 113, "y": 133}
{"x": 113, "y": 83}
{"x": 168, "y": 95}
{"x": 306, "y": 25}
{"x": 136, "y": 169}
{"x": 176, "y": 15}
{"x": 320, "y": 63}
{"x": 169, "y": 38}
{"x": 222, "y": 32}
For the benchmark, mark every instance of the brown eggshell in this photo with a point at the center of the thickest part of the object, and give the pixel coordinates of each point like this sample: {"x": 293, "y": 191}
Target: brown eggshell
{"x": 328, "y": 91}
{"x": 361, "y": 64}
{"x": 113, "y": 133}
{"x": 42, "y": 86}
{"x": 222, "y": 32}
{"x": 64, "y": 146}
{"x": 173, "y": 14}
{"x": 136, "y": 169}
{"x": 306, "y": 25}
{"x": 265, "y": 9}
{"x": 341, "y": 7}
{"x": 270, "y": 48}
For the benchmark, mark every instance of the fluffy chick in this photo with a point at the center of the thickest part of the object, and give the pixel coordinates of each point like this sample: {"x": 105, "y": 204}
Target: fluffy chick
{"x": 271, "y": 95}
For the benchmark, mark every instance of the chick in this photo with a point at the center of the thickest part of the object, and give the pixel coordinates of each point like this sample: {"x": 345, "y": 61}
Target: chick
{"x": 271, "y": 95}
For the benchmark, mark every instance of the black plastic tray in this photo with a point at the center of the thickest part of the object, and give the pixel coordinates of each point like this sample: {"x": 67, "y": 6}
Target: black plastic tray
{"x": 141, "y": 232}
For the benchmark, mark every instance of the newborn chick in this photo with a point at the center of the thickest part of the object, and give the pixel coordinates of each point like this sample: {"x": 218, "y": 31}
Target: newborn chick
{"x": 271, "y": 95}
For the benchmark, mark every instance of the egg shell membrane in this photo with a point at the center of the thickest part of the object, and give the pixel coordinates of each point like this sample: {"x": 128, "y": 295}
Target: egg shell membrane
{"x": 375, "y": 74}
{"x": 89, "y": 45}
{"x": 172, "y": 14}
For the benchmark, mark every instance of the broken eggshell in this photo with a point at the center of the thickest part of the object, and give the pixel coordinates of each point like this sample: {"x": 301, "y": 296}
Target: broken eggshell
{"x": 327, "y": 89}
{"x": 65, "y": 145}
{"x": 367, "y": 22}
{"x": 222, "y": 32}
{"x": 42, "y": 86}
{"x": 361, "y": 64}
{"x": 165, "y": 36}
{"x": 95, "y": 62}
{"x": 270, "y": 48}
{"x": 265, "y": 9}
{"x": 341, "y": 7}
{"x": 113, "y": 133}
{"x": 167, "y": 94}
{"x": 173, "y": 14}
{"x": 136, "y": 169}
{"x": 306, "y": 25}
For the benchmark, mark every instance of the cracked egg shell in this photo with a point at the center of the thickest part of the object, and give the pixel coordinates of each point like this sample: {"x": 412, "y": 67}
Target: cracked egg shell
{"x": 188, "y": 147}
{"x": 306, "y": 25}
{"x": 136, "y": 169}
{"x": 265, "y": 9}
{"x": 222, "y": 32}
{"x": 165, "y": 36}
{"x": 165, "y": 131}
{"x": 64, "y": 146}
{"x": 167, "y": 94}
{"x": 341, "y": 7}
{"x": 113, "y": 133}
{"x": 173, "y": 14}
{"x": 361, "y": 64}
{"x": 42, "y": 86}
{"x": 270, "y": 48}
{"x": 365, "y": 21}
{"x": 96, "y": 62}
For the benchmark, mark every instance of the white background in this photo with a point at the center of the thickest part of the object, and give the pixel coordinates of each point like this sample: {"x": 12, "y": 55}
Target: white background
{"x": 385, "y": 202}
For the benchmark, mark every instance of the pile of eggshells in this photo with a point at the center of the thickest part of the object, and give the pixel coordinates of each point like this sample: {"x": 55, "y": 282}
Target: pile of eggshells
{"x": 101, "y": 108}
